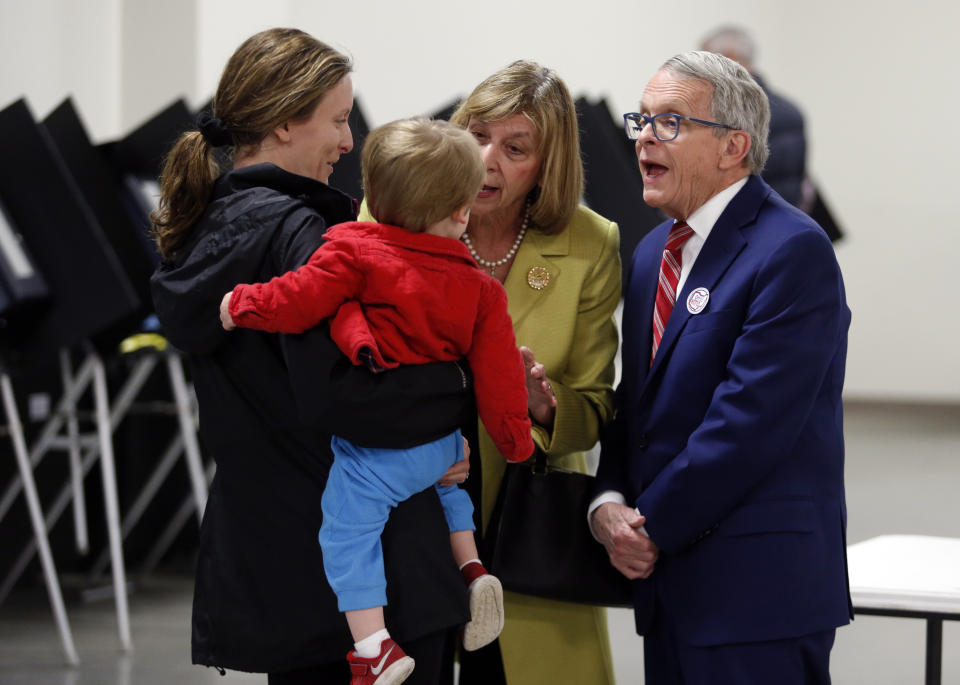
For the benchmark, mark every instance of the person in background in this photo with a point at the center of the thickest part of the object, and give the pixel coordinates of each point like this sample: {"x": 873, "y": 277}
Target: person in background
{"x": 403, "y": 291}
{"x": 786, "y": 167}
{"x": 269, "y": 403}
{"x": 720, "y": 484}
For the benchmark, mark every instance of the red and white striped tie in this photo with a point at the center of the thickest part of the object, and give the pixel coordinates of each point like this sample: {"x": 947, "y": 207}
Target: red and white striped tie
{"x": 669, "y": 277}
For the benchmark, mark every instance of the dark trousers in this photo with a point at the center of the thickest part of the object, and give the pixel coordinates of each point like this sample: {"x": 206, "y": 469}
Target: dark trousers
{"x": 482, "y": 667}
{"x": 802, "y": 660}
{"x": 428, "y": 653}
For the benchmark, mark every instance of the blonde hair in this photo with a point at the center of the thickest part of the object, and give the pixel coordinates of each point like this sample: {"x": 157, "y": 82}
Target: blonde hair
{"x": 525, "y": 87}
{"x": 275, "y": 76}
{"x": 417, "y": 172}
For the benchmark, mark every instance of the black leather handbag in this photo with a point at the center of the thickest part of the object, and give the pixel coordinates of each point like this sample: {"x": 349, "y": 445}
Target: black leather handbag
{"x": 538, "y": 541}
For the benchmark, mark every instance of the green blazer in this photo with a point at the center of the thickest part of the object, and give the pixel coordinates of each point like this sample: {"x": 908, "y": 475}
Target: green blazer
{"x": 570, "y": 327}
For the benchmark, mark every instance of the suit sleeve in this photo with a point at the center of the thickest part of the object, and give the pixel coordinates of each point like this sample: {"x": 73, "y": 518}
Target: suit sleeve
{"x": 584, "y": 390}
{"x": 298, "y": 300}
{"x": 501, "y": 386}
{"x": 612, "y": 468}
{"x": 793, "y": 330}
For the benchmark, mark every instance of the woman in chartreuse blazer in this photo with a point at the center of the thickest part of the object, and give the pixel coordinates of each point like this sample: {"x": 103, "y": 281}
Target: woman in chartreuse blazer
{"x": 560, "y": 265}
{"x": 569, "y": 326}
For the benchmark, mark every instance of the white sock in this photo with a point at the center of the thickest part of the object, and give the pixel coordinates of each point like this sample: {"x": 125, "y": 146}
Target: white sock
{"x": 469, "y": 562}
{"x": 369, "y": 646}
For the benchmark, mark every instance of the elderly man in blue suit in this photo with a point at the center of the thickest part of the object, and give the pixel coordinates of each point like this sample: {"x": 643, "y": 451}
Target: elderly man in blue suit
{"x": 720, "y": 485}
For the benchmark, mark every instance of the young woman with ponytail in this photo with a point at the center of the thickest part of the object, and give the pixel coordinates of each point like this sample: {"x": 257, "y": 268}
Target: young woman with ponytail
{"x": 268, "y": 403}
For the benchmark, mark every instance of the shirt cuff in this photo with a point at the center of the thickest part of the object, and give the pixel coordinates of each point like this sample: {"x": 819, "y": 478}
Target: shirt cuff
{"x": 603, "y": 498}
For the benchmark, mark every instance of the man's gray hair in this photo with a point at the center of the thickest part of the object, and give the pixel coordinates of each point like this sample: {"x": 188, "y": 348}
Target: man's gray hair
{"x": 737, "y": 99}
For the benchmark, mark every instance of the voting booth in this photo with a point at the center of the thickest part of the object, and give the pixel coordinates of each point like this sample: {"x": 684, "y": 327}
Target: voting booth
{"x": 101, "y": 187}
{"x": 87, "y": 293}
{"x": 74, "y": 286}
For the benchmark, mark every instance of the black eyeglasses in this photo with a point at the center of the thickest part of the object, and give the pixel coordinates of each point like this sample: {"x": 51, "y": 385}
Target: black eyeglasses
{"x": 666, "y": 126}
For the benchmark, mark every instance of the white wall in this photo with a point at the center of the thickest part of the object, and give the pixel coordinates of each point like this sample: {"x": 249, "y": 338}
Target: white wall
{"x": 53, "y": 48}
{"x": 159, "y": 44}
{"x": 878, "y": 86}
{"x": 222, "y": 26}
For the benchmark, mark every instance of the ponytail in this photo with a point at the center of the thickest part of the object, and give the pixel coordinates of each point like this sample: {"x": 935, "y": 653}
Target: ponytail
{"x": 186, "y": 184}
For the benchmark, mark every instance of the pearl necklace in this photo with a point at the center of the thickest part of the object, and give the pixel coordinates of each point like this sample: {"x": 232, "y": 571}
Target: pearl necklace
{"x": 492, "y": 266}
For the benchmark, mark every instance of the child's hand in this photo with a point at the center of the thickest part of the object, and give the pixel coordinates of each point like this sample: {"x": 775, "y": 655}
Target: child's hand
{"x": 460, "y": 471}
{"x": 225, "y": 318}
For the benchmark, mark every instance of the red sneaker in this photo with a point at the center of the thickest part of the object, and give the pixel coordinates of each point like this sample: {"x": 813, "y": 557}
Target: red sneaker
{"x": 486, "y": 607}
{"x": 390, "y": 667}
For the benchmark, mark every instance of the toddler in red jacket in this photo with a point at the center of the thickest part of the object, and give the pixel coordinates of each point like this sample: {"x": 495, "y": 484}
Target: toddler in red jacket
{"x": 405, "y": 291}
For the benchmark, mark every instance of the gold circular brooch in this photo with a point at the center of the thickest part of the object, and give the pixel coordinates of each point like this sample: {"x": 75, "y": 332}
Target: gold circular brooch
{"x": 538, "y": 277}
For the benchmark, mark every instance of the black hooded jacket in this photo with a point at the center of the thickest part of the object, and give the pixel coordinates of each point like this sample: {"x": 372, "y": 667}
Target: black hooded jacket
{"x": 268, "y": 404}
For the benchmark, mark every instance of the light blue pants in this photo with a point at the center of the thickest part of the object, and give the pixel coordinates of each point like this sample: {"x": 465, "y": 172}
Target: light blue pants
{"x": 364, "y": 484}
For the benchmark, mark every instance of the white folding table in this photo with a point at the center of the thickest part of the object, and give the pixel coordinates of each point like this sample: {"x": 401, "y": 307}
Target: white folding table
{"x": 912, "y": 576}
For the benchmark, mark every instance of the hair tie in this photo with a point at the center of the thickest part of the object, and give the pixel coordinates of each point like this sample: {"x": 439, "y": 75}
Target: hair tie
{"x": 213, "y": 130}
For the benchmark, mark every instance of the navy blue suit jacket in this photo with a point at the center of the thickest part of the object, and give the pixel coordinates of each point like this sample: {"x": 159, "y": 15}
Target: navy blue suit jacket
{"x": 731, "y": 444}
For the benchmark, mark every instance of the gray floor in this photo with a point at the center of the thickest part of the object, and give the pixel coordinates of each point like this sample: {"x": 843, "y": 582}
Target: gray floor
{"x": 903, "y": 473}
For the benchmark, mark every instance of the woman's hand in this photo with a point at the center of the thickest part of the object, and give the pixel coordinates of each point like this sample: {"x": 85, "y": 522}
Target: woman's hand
{"x": 542, "y": 403}
{"x": 459, "y": 472}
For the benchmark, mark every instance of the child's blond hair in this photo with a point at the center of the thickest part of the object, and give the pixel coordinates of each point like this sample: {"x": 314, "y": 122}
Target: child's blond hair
{"x": 417, "y": 172}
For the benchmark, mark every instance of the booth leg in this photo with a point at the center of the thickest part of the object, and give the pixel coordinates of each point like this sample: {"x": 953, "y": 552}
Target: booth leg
{"x": 76, "y": 472}
{"x": 36, "y": 519}
{"x": 188, "y": 429}
{"x": 111, "y": 503}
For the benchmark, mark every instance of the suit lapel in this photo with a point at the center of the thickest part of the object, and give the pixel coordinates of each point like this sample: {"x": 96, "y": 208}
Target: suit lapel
{"x": 719, "y": 251}
{"x": 536, "y": 250}
{"x": 638, "y": 306}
